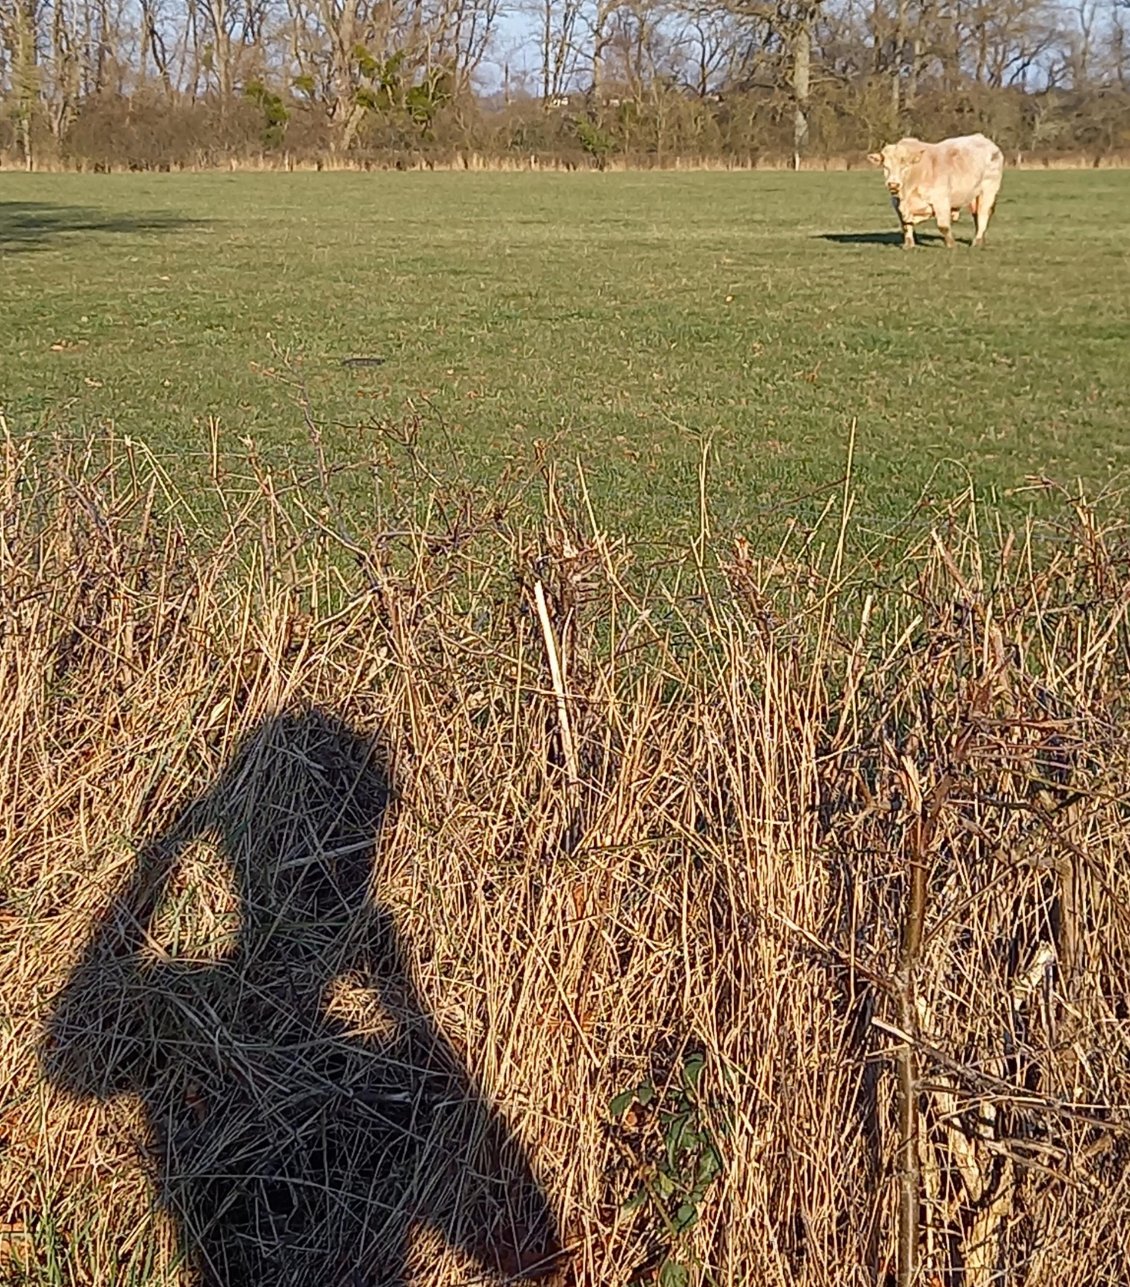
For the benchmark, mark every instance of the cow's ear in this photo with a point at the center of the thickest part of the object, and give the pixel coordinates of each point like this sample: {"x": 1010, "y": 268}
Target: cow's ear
{"x": 876, "y": 158}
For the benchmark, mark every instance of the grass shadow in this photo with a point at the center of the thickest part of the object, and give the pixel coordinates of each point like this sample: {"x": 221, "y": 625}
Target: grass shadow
{"x": 291, "y": 1142}
{"x": 39, "y": 225}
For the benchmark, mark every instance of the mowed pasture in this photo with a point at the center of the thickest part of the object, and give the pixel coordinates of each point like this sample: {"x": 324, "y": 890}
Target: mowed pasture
{"x": 619, "y": 317}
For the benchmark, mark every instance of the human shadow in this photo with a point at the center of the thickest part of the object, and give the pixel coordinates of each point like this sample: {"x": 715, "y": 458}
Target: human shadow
{"x": 874, "y": 238}
{"x": 290, "y": 1149}
{"x": 38, "y": 225}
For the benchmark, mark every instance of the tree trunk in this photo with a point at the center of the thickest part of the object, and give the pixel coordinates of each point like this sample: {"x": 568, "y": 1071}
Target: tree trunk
{"x": 918, "y": 44}
{"x": 219, "y": 20}
{"x": 25, "y": 76}
{"x": 897, "y": 64}
{"x": 65, "y": 81}
{"x": 341, "y": 25}
{"x": 802, "y": 72}
{"x": 599, "y": 41}
{"x": 104, "y": 57}
{"x": 546, "y": 47}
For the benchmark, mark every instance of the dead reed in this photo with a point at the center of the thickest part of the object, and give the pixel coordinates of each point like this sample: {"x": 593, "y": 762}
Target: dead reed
{"x": 422, "y": 903}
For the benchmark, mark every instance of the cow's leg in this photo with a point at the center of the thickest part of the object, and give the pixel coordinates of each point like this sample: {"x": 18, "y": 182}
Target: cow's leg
{"x": 905, "y": 223}
{"x": 974, "y": 206}
{"x": 907, "y": 233}
{"x": 942, "y": 218}
{"x": 984, "y": 211}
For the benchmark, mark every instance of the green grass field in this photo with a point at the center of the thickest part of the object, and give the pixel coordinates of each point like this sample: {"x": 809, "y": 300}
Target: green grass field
{"x": 621, "y": 317}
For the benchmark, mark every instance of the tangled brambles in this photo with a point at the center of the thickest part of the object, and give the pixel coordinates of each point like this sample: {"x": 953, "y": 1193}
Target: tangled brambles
{"x": 348, "y": 880}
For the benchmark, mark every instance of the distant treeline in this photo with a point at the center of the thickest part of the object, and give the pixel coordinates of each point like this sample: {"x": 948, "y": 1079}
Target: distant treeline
{"x": 147, "y": 130}
{"x": 167, "y": 83}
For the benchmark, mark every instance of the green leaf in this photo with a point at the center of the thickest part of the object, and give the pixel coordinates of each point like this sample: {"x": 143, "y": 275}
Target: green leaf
{"x": 676, "y": 1132}
{"x": 367, "y": 65}
{"x": 622, "y": 1103}
{"x": 645, "y": 1093}
{"x": 664, "y": 1185}
{"x": 673, "y": 1274}
{"x": 692, "y": 1070}
{"x": 709, "y": 1164}
{"x": 635, "y": 1201}
{"x": 686, "y": 1215}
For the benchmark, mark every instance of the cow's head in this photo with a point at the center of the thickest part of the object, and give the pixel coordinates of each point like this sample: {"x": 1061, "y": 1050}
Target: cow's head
{"x": 896, "y": 159}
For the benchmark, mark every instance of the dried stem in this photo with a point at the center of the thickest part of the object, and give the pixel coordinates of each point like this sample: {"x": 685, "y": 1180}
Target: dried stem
{"x": 828, "y": 792}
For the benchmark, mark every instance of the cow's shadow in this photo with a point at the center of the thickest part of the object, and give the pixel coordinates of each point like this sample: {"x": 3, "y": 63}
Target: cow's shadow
{"x": 290, "y": 1147}
{"x": 878, "y": 238}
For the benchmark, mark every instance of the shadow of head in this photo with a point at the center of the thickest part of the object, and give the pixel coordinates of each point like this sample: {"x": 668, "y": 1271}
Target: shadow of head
{"x": 38, "y": 225}
{"x": 306, "y": 1112}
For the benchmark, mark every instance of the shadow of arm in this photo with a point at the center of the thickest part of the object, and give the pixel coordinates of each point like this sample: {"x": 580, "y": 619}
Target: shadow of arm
{"x": 99, "y": 1039}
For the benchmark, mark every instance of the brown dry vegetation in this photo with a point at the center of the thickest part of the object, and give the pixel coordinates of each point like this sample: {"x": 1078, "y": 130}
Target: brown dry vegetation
{"x": 476, "y": 162}
{"x": 704, "y": 842}
{"x": 663, "y": 130}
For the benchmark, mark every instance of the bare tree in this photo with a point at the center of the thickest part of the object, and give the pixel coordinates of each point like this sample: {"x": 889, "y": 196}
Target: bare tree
{"x": 19, "y": 33}
{"x": 558, "y": 28}
{"x": 711, "y": 48}
{"x": 153, "y": 43}
{"x": 340, "y": 24}
{"x": 461, "y": 37}
{"x": 1118, "y": 43}
{"x": 1082, "y": 43}
{"x": 599, "y": 35}
{"x": 63, "y": 90}
{"x": 792, "y": 22}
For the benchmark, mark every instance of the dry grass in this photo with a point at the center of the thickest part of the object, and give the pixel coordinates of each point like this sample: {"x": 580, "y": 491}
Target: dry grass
{"x": 322, "y": 961}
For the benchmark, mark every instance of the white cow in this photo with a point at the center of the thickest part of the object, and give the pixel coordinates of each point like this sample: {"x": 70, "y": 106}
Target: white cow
{"x": 934, "y": 180}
